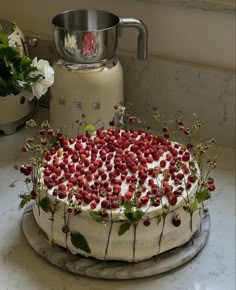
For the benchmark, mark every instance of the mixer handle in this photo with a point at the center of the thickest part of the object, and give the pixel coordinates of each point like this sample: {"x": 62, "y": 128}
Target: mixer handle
{"x": 142, "y": 41}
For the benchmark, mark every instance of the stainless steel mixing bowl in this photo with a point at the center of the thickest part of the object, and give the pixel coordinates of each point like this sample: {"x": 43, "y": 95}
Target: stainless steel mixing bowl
{"x": 91, "y": 36}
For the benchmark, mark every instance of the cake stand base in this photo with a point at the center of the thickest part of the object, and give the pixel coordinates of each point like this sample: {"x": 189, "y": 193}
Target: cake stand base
{"x": 111, "y": 269}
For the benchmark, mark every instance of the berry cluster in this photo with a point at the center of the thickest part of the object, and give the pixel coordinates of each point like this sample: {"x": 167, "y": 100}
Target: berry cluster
{"x": 104, "y": 170}
{"x": 26, "y": 169}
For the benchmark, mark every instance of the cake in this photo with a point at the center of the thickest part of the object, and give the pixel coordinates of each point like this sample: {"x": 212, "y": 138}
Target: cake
{"x": 116, "y": 194}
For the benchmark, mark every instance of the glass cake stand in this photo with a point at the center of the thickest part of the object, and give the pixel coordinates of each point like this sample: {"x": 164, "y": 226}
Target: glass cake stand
{"x": 91, "y": 267}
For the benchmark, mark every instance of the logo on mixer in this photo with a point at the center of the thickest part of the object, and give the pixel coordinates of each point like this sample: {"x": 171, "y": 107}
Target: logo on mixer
{"x": 61, "y": 100}
{"x": 78, "y": 105}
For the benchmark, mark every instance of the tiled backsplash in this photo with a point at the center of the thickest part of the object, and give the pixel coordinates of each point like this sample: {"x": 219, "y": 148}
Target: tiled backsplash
{"x": 174, "y": 87}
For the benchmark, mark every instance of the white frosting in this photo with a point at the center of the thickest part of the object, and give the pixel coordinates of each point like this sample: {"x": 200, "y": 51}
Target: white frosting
{"x": 160, "y": 236}
{"x": 120, "y": 247}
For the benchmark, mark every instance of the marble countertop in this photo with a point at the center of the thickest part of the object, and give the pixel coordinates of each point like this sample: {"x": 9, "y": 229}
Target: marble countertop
{"x": 21, "y": 268}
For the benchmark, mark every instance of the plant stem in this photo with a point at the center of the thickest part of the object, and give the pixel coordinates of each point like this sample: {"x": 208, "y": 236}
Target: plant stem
{"x": 108, "y": 240}
{"x": 135, "y": 225}
{"x": 52, "y": 222}
{"x": 161, "y": 235}
{"x": 66, "y": 223}
{"x": 191, "y": 222}
{"x": 68, "y": 220}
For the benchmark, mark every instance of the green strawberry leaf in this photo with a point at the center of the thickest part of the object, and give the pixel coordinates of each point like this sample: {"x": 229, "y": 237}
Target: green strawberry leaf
{"x": 193, "y": 207}
{"x": 45, "y": 204}
{"x": 201, "y": 195}
{"x": 80, "y": 242}
{"x": 26, "y": 198}
{"x": 124, "y": 227}
{"x": 129, "y": 215}
{"x": 128, "y": 206}
{"x": 137, "y": 215}
{"x": 96, "y": 216}
{"x": 132, "y": 215}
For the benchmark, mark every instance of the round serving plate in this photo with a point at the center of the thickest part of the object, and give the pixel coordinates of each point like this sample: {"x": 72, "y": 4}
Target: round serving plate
{"x": 91, "y": 267}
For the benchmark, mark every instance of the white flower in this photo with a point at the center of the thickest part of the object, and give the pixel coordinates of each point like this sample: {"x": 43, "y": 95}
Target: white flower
{"x": 12, "y": 43}
{"x": 41, "y": 86}
{"x": 70, "y": 43}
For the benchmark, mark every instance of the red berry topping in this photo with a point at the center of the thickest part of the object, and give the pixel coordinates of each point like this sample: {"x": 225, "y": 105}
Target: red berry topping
{"x": 211, "y": 187}
{"x": 146, "y": 222}
{"x": 62, "y": 187}
{"x": 77, "y": 211}
{"x": 24, "y": 149}
{"x": 176, "y": 222}
{"x": 186, "y": 157}
{"x": 189, "y": 146}
{"x": 93, "y": 205}
{"x": 192, "y": 178}
{"x": 173, "y": 200}
{"x": 42, "y": 132}
{"x": 47, "y": 172}
{"x": 144, "y": 199}
{"x": 62, "y": 195}
{"x": 50, "y": 132}
{"x": 169, "y": 156}
{"x": 129, "y": 195}
{"x": 186, "y": 208}
{"x": 104, "y": 203}
{"x": 163, "y": 164}
{"x": 33, "y": 194}
{"x": 210, "y": 180}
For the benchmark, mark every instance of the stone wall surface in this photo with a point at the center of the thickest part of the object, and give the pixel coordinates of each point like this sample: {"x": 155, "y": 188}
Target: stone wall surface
{"x": 175, "y": 87}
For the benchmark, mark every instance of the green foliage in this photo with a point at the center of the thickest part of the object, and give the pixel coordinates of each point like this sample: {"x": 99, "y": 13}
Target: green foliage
{"x": 201, "y": 195}
{"x": 16, "y": 71}
{"x": 45, "y": 204}
{"x": 127, "y": 206}
{"x": 26, "y": 198}
{"x": 124, "y": 227}
{"x": 3, "y": 38}
{"x": 80, "y": 242}
{"x": 192, "y": 207}
{"x": 96, "y": 216}
{"x": 131, "y": 214}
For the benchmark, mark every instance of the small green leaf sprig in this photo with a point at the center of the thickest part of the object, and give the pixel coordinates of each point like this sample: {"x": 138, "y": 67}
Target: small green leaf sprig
{"x": 133, "y": 216}
{"x": 36, "y": 147}
{"x": 78, "y": 240}
{"x": 105, "y": 218}
{"x": 203, "y": 153}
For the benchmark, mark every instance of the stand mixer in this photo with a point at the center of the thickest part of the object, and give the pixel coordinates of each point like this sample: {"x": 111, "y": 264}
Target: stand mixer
{"x": 88, "y": 75}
